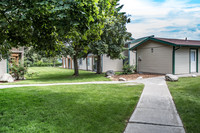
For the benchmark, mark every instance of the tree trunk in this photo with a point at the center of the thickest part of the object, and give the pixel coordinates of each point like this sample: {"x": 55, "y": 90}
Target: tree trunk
{"x": 99, "y": 71}
{"x": 76, "y": 72}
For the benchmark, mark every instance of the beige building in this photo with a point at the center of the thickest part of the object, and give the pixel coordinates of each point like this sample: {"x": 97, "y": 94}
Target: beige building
{"x": 17, "y": 56}
{"x": 107, "y": 63}
{"x": 163, "y": 55}
{"x": 89, "y": 63}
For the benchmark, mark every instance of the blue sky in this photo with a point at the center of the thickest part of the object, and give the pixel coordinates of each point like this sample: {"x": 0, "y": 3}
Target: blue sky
{"x": 164, "y": 18}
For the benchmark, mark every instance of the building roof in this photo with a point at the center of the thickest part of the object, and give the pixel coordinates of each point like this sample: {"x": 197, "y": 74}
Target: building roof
{"x": 173, "y": 42}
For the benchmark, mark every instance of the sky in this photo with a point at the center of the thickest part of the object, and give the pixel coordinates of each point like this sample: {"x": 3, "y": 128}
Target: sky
{"x": 163, "y": 18}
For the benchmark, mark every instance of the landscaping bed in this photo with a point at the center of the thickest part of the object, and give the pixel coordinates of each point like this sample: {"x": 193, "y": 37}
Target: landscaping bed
{"x": 134, "y": 76}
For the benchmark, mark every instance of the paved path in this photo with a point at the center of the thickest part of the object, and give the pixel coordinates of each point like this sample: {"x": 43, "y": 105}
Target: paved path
{"x": 78, "y": 83}
{"x": 155, "y": 111}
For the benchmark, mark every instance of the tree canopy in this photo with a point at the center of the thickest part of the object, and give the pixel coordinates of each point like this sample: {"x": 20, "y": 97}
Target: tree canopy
{"x": 48, "y": 25}
{"x": 113, "y": 38}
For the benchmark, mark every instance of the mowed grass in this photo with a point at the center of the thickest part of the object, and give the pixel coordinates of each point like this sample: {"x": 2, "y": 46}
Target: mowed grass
{"x": 186, "y": 95}
{"x": 59, "y": 75}
{"x": 73, "y": 109}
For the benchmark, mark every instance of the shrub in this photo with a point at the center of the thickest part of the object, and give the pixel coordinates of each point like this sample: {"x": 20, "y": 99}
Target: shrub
{"x": 39, "y": 64}
{"x": 128, "y": 69}
{"x": 17, "y": 71}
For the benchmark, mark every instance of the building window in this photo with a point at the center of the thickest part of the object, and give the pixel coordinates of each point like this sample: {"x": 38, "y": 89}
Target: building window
{"x": 88, "y": 61}
{"x": 151, "y": 50}
{"x": 80, "y": 61}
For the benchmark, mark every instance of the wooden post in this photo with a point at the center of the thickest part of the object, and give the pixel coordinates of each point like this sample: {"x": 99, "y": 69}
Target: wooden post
{"x": 63, "y": 62}
{"x": 87, "y": 63}
{"x": 71, "y": 62}
{"x": 92, "y": 63}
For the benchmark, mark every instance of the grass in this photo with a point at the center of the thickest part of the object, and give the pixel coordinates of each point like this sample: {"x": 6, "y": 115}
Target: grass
{"x": 73, "y": 109}
{"x": 59, "y": 75}
{"x": 186, "y": 95}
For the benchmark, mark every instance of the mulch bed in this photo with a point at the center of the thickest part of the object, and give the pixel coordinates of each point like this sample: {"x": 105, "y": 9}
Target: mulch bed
{"x": 134, "y": 76}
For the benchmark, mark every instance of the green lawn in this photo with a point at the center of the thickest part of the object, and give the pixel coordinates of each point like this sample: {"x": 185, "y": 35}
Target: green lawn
{"x": 73, "y": 108}
{"x": 59, "y": 75}
{"x": 186, "y": 95}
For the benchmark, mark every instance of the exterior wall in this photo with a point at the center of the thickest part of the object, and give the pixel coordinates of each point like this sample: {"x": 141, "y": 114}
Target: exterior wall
{"x": 199, "y": 60}
{"x": 83, "y": 66}
{"x": 109, "y": 64}
{"x": 19, "y": 51}
{"x": 182, "y": 61}
{"x": 132, "y": 56}
{"x": 158, "y": 61}
{"x": 64, "y": 62}
{"x": 3, "y": 67}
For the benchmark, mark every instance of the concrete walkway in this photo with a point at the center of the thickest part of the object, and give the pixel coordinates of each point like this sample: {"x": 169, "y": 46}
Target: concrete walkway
{"x": 78, "y": 83}
{"x": 155, "y": 111}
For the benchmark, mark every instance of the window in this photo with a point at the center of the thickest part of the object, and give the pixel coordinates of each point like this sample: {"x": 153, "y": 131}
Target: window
{"x": 151, "y": 50}
{"x": 80, "y": 61}
{"x": 192, "y": 55}
{"x": 88, "y": 61}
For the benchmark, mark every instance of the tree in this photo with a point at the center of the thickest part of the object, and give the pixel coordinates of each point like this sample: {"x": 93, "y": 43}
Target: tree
{"x": 27, "y": 23}
{"x": 113, "y": 39}
{"x": 88, "y": 27}
{"x": 46, "y": 25}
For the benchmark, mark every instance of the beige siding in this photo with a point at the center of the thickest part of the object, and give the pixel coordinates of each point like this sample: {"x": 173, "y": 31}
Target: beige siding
{"x": 182, "y": 65}
{"x": 199, "y": 61}
{"x": 109, "y": 64}
{"x": 3, "y": 67}
{"x": 132, "y": 56}
{"x": 83, "y": 66}
{"x": 160, "y": 61}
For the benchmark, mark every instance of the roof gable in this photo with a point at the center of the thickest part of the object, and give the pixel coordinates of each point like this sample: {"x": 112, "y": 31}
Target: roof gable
{"x": 172, "y": 42}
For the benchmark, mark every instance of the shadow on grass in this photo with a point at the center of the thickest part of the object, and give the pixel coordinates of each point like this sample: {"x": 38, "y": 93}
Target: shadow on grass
{"x": 64, "y": 77}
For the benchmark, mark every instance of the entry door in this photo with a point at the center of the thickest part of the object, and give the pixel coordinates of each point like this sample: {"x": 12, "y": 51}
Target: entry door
{"x": 193, "y": 60}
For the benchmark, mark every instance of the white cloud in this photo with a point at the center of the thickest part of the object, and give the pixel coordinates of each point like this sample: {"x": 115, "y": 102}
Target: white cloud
{"x": 154, "y": 18}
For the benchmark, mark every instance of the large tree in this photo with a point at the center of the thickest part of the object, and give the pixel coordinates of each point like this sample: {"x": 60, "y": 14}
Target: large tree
{"x": 46, "y": 25}
{"x": 27, "y": 23}
{"x": 114, "y": 37}
{"x": 89, "y": 21}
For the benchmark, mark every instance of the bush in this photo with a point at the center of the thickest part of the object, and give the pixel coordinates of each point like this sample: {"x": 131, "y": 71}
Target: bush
{"x": 128, "y": 69}
{"x": 17, "y": 71}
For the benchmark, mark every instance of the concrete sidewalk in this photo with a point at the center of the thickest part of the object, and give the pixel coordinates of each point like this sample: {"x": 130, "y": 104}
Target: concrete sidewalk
{"x": 155, "y": 111}
{"x": 76, "y": 83}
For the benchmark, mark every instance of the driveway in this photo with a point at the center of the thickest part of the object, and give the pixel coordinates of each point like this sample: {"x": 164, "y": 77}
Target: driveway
{"x": 155, "y": 111}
